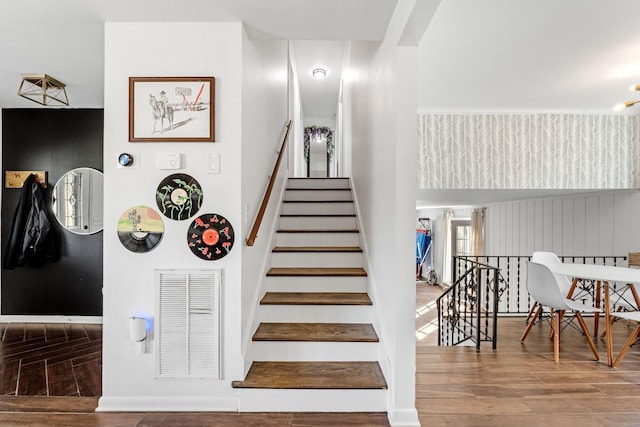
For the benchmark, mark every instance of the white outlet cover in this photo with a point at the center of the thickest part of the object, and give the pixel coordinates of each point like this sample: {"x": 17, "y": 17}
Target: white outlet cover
{"x": 213, "y": 163}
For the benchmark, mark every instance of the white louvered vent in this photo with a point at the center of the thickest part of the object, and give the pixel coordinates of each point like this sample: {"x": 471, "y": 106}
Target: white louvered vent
{"x": 188, "y": 323}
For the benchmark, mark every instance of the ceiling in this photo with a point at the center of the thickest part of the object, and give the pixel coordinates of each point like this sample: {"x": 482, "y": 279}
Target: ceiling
{"x": 542, "y": 54}
{"x": 579, "y": 55}
{"x": 490, "y": 54}
{"x": 65, "y": 38}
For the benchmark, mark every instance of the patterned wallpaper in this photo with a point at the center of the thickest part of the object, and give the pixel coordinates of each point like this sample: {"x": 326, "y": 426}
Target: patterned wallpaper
{"x": 528, "y": 150}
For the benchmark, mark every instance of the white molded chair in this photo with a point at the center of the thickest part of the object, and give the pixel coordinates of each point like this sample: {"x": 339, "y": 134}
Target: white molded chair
{"x": 544, "y": 287}
{"x": 547, "y": 258}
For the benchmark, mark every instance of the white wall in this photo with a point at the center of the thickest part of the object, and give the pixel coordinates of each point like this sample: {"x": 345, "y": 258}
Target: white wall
{"x": 264, "y": 116}
{"x": 169, "y": 49}
{"x": 382, "y": 106}
{"x": 603, "y": 223}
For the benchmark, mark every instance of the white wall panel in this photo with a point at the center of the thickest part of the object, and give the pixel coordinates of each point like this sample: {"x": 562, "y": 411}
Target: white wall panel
{"x": 596, "y": 224}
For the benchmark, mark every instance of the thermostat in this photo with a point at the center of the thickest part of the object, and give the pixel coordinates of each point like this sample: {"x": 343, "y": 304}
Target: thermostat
{"x": 125, "y": 159}
{"x": 168, "y": 160}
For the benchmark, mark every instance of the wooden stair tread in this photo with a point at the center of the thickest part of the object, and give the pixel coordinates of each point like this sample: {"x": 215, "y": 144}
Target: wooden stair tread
{"x": 313, "y": 375}
{"x": 316, "y": 332}
{"x": 317, "y": 201}
{"x": 317, "y": 249}
{"x": 315, "y": 215}
{"x": 318, "y": 189}
{"x": 290, "y": 230}
{"x": 317, "y": 271}
{"x": 316, "y": 298}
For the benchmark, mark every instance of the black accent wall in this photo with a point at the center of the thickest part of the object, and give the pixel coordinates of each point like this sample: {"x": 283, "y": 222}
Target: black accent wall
{"x": 55, "y": 140}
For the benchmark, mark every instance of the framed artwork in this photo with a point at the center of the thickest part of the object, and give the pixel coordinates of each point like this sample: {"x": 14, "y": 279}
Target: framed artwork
{"x": 171, "y": 109}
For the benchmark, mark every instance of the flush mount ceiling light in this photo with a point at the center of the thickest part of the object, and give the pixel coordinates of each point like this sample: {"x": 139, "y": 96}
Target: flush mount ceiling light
{"x": 43, "y": 89}
{"x": 628, "y": 103}
{"x": 319, "y": 73}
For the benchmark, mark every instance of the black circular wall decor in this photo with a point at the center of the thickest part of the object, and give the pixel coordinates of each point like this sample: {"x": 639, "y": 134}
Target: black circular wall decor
{"x": 140, "y": 229}
{"x": 179, "y": 196}
{"x": 210, "y": 236}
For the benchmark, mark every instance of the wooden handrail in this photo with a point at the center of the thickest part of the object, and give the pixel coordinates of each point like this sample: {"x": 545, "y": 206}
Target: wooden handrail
{"x": 267, "y": 195}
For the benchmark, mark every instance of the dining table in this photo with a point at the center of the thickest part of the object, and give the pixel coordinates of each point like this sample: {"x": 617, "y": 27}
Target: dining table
{"x": 604, "y": 276}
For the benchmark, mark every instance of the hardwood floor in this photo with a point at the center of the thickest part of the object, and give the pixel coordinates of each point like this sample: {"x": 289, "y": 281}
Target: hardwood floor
{"x": 519, "y": 384}
{"x": 516, "y": 385}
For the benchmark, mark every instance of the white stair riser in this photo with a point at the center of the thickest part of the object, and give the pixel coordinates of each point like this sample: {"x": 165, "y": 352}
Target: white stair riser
{"x": 318, "y": 195}
{"x": 318, "y": 239}
{"x": 317, "y": 223}
{"x": 322, "y": 208}
{"x": 318, "y": 183}
{"x": 316, "y": 284}
{"x": 316, "y": 313}
{"x": 316, "y": 259}
{"x": 296, "y": 351}
{"x": 287, "y": 400}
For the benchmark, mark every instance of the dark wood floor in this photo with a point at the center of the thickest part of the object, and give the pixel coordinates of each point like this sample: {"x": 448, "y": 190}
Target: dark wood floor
{"x": 51, "y": 359}
{"x": 516, "y": 385}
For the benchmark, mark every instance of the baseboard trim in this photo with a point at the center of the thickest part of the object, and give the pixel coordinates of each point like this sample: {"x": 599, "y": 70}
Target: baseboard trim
{"x": 403, "y": 418}
{"x": 50, "y": 319}
{"x": 167, "y": 404}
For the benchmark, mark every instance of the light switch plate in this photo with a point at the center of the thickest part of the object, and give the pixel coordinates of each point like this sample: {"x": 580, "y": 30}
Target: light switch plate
{"x": 213, "y": 165}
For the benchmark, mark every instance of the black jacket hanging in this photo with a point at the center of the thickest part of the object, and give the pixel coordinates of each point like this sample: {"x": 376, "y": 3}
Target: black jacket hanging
{"x": 32, "y": 237}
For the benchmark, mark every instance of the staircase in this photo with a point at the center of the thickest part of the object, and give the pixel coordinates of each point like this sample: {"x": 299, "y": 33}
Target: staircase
{"x": 315, "y": 348}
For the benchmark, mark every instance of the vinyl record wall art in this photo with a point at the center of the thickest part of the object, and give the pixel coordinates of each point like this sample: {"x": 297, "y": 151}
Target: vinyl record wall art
{"x": 210, "y": 236}
{"x": 179, "y": 196}
{"x": 140, "y": 229}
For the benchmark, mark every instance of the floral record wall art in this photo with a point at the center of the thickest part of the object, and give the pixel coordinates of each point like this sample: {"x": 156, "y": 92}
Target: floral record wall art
{"x": 210, "y": 237}
{"x": 317, "y": 132}
{"x": 179, "y": 196}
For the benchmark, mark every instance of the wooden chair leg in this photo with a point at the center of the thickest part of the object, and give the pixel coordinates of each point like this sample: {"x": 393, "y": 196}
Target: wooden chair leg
{"x": 626, "y": 346}
{"x": 531, "y": 323}
{"x": 587, "y": 336}
{"x": 531, "y": 310}
{"x": 556, "y": 336}
{"x": 613, "y": 320}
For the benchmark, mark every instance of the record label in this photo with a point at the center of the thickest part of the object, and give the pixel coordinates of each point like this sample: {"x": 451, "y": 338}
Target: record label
{"x": 210, "y": 236}
{"x": 179, "y": 196}
{"x": 140, "y": 229}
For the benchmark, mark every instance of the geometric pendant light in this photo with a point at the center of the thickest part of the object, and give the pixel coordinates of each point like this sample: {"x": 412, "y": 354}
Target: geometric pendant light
{"x": 43, "y": 89}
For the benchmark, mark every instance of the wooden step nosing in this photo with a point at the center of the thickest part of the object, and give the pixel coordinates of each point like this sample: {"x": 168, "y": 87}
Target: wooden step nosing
{"x": 316, "y": 332}
{"x": 316, "y": 215}
{"x": 316, "y": 230}
{"x": 314, "y": 375}
{"x": 316, "y": 272}
{"x": 316, "y": 298}
{"x": 318, "y": 189}
{"x": 317, "y": 201}
{"x": 317, "y": 249}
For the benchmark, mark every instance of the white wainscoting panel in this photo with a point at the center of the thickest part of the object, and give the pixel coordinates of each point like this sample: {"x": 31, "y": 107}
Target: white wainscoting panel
{"x": 593, "y": 224}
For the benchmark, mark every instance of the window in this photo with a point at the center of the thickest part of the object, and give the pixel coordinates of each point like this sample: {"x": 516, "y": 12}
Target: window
{"x": 461, "y": 237}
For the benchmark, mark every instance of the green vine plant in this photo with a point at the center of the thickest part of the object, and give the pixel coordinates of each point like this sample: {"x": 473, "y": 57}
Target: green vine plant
{"x": 313, "y": 132}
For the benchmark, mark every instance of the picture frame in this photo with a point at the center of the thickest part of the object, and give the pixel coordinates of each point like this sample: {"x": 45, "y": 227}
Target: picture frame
{"x": 172, "y": 109}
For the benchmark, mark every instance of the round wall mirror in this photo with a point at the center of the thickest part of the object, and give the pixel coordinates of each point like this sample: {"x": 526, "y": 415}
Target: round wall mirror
{"x": 78, "y": 200}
